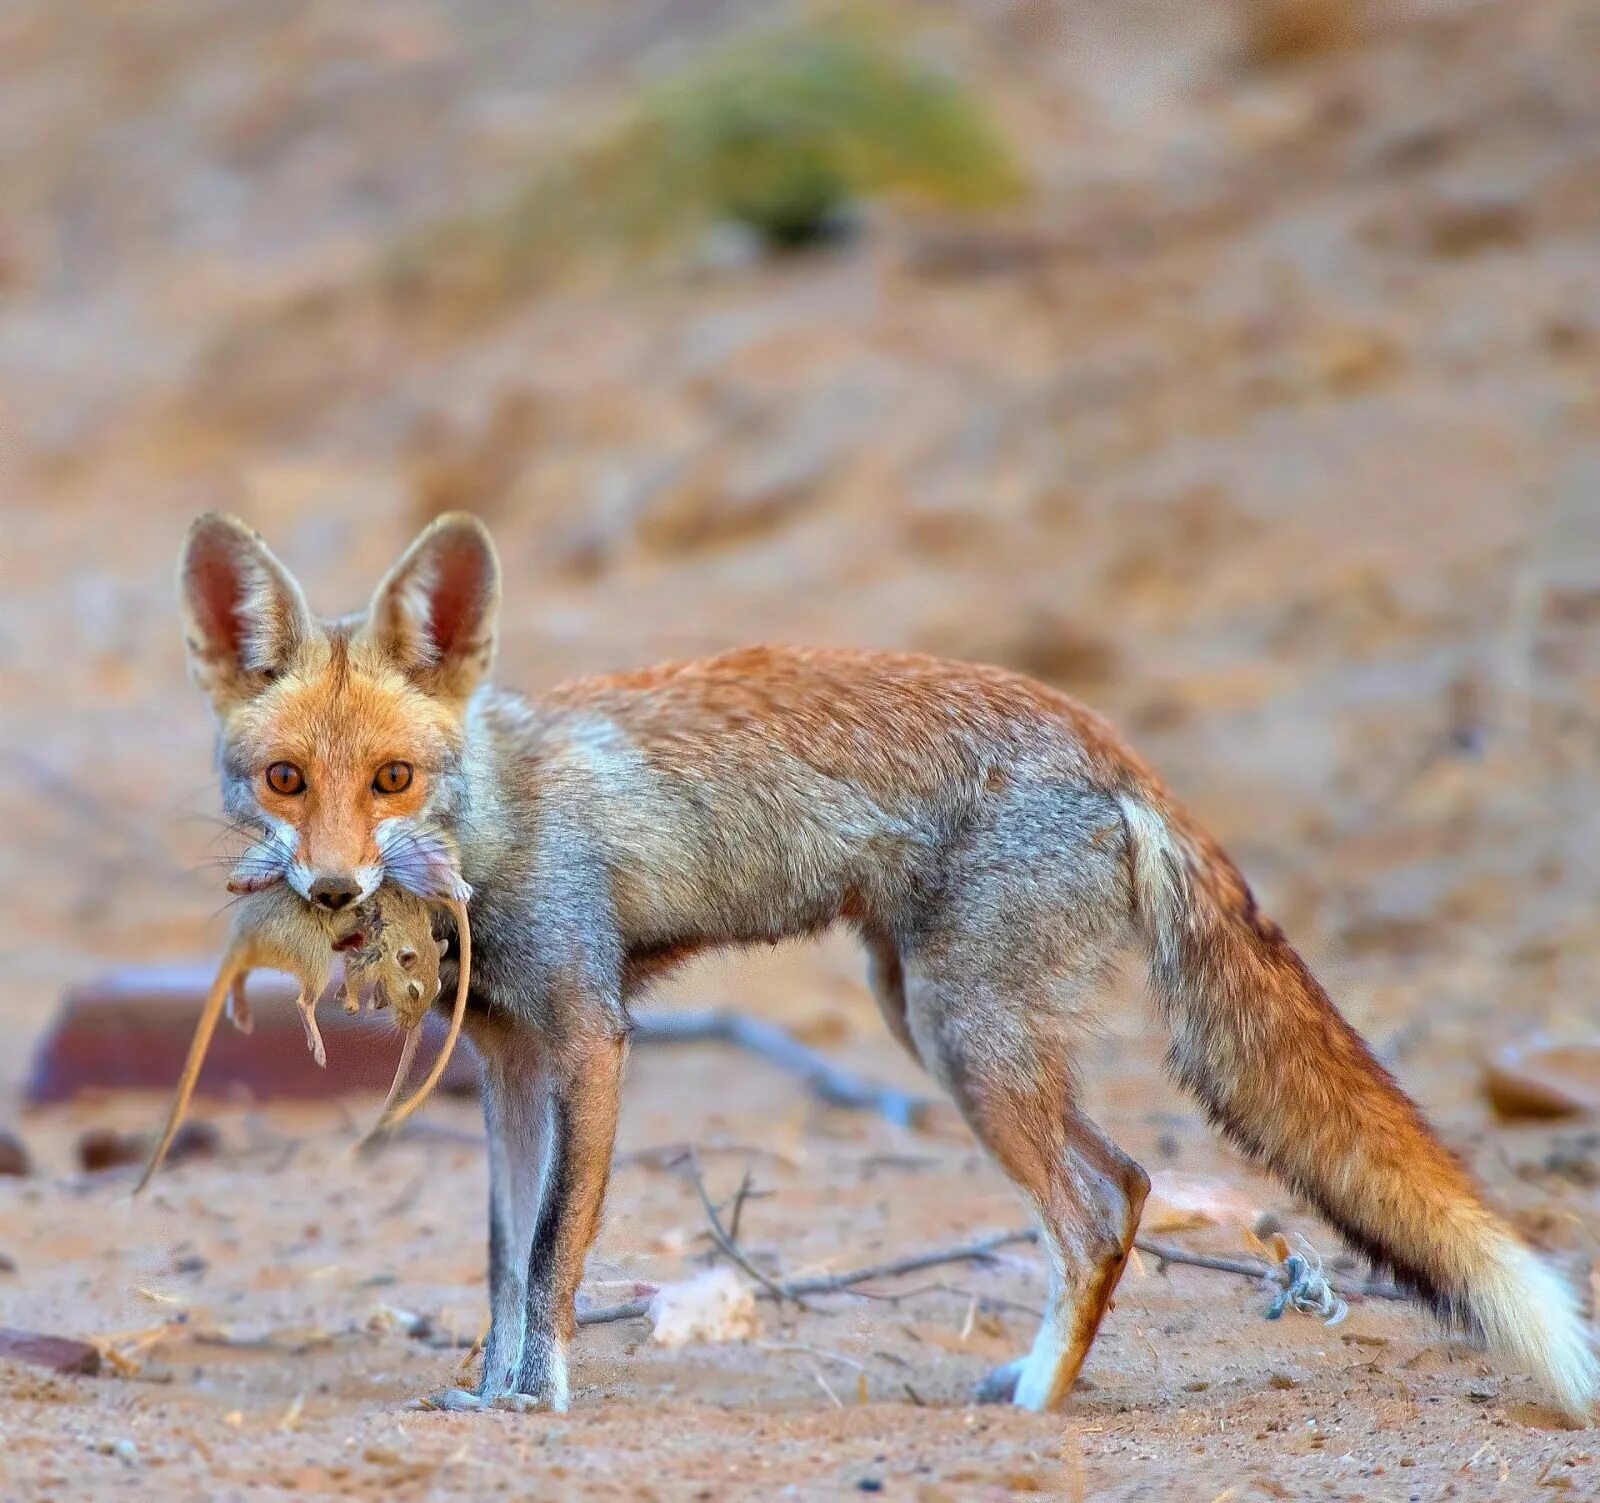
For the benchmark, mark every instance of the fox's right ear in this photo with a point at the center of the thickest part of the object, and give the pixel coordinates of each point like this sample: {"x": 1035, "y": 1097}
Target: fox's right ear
{"x": 244, "y": 615}
{"x": 435, "y": 611}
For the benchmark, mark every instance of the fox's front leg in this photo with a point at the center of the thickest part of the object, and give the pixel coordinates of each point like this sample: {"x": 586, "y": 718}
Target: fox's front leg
{"x": 550, "y": 1111}
{"x": 516, "y": 1115}
{"x": 583, "y": 1079}
{"x": 516, "y": 1119}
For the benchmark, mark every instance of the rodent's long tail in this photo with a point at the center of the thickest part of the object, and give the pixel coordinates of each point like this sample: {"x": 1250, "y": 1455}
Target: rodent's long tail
{"x": 232, "y": 969}
{"x": 392, "y": 1116}
{"x": 1289, "y": 1080}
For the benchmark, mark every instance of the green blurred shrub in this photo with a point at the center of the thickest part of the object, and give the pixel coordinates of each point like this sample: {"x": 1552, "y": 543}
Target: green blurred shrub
{"x": 785, "y": 134}
{"x": 782, "y": 135}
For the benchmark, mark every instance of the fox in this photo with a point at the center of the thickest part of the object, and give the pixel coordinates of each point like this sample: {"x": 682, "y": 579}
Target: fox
{"x": 993, "y": 843}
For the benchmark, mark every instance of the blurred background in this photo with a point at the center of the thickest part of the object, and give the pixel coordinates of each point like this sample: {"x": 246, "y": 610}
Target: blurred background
{"x": 1231, "y": 364}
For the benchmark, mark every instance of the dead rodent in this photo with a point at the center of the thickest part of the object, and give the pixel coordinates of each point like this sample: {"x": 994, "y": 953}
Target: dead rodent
{"x": 391, "y": 958}
{"x": 390, "y": 955}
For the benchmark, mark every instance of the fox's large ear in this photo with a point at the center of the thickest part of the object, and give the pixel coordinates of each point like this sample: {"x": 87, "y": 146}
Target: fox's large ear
{"x": 435, "y": 611}
{"x": 244, "y": 615}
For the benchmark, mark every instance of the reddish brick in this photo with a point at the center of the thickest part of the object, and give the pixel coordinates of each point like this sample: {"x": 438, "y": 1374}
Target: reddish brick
{"x": 130, "y": 1030}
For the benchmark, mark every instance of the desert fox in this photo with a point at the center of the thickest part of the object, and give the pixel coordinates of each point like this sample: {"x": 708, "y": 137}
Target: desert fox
{"x": 991, "y": 841}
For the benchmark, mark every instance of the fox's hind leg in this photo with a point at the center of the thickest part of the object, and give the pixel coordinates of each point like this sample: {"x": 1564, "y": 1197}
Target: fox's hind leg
{"x": 887, "y": 977}
{"x": 1003, "y": 1053}
{"x": 1087, "y": 1219}
{"x": 999, "y": 972}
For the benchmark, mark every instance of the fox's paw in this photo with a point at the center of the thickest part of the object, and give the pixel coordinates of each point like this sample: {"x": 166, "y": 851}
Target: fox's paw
{"x": 999, "y": 1386}
{"x": 453, "y": 1401}
{"x": 542, "y": 1377}
{"x": 464, "y": 1401}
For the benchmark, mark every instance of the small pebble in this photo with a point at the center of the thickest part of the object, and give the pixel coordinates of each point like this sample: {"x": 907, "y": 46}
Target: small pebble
{"x": 60, "y": 1354}
{"x": 13, "y": 1156}
{"x": 102, "y": 1148}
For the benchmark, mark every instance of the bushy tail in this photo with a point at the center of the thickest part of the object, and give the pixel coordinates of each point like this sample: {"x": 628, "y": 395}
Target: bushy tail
{"x": 1282, "y": 1073}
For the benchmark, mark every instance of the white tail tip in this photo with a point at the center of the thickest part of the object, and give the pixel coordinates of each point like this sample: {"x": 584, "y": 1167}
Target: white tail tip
{"x": 1529, "y": 1316}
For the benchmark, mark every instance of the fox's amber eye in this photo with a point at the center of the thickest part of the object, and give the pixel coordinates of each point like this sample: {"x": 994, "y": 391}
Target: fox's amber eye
{"x": 393, "y": 777}
{"x": 286, "y": 778}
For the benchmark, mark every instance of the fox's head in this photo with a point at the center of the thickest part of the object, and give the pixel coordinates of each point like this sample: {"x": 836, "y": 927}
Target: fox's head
{"x": 340, "y": 742}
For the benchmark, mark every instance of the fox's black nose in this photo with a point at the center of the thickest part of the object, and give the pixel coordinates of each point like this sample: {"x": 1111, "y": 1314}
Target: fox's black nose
{"x": 334, "y": 893}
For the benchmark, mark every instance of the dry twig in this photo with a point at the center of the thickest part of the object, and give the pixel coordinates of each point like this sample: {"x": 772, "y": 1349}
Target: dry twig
{"x": 1255, "y": 1268}
{"x": 831, "y": 1083}
{"x": 726, "y": 1244}
{"x": 980, "y": 1251}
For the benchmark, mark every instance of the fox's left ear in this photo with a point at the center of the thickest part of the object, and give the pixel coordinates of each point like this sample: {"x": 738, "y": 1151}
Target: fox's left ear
{"x": 435, "y": 611}
{"x": 244, "y": 615}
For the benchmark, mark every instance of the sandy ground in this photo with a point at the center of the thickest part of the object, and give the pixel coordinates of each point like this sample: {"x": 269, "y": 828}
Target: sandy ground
{"x": 1270, "y": 426}
{"x": 287, "y": 1249}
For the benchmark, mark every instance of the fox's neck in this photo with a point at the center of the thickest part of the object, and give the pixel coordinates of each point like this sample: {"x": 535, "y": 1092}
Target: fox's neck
{"x": 479, "y": 809}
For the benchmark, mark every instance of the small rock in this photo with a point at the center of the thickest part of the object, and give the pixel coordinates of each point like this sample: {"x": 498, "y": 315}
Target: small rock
{"x": 13, "y": 1156}
{"x": 392, "y": 1318}
{"x": 125, "y": 1450}
{"x": 8, "y": 1264}
{"x": 102, "y": 1148}
{"x": 712, "y": 1306}
{"x": 1542, "y": 1078}
{"x": 130, "y": 1030}
{"x": 60, "y": 1354}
